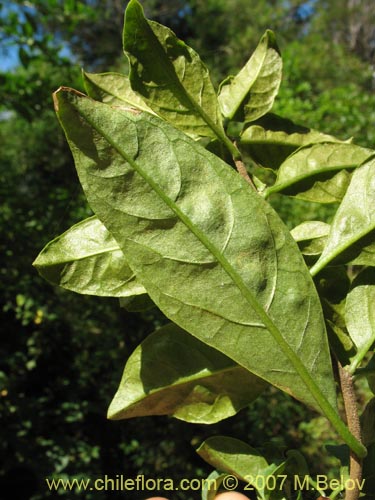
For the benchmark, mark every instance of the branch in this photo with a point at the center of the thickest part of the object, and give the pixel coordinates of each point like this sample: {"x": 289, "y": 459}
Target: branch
{"x": 241, "y": 169}
{"x": 352, "y": 417}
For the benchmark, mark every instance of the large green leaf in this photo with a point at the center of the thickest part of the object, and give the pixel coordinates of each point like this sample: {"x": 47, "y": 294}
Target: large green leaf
{"x": 113, "y": 89}
{"x": 170, "y": 76}
{"x": 251, "y": 93}
{"x": 173, "y": 373}
{"x": 271, "y": 139}
{"x": 319, "y": 172}
{"x": 86, "y": 259}
{"x": 211, "y": 253}
{"x": 360, "y": 310}
{"x": 354, "y": 219}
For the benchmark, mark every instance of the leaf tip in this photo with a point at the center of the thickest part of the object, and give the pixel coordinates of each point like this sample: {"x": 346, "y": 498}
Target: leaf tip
{"x": 57, "y": 93}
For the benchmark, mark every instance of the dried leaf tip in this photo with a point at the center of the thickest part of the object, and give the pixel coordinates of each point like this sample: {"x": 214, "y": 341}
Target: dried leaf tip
{"x": 64, "y": 89}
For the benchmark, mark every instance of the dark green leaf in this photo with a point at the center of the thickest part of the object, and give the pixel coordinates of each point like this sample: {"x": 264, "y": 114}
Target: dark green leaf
{"x": 333, "y": 286}
{"x": 137, "y": 303}
{"x": 251, "y": 93}
{"x": 173, "y": 373}
{"x": 368, "y": 423}
{"x": 271, "y": 139}
{"x": 371, "y": 375}
{"x": 368, "y": 475}
{"x": 169, "y": 75}
{"x": 86, "y": 259}
{"x": 320, "y": 172}
{"x": 212, "y": 254}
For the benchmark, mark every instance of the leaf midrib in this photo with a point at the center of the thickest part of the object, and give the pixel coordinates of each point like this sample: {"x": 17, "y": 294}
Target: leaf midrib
{"x": 77, "y": 259}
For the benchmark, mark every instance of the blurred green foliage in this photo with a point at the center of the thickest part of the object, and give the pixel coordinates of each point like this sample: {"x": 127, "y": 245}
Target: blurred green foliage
{"x": 62, "y": 355}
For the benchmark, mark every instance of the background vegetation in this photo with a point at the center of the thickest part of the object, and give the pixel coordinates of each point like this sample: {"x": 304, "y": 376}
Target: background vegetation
{"x": 61, "y": 355}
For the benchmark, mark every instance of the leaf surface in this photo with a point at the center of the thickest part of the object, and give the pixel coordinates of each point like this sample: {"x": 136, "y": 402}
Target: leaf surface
{"x": 113, "y": 89}
{"x": 355, "y": 217}
{"x": 251, "y": 93}
{"x": 87, "y": 259}
{"x": 211, "y": 253}
{"x": 173, "y": 373}
{"x": 169, "y": 75}
{"x": 271, "y": 139}
{"x": 320, "y": 172}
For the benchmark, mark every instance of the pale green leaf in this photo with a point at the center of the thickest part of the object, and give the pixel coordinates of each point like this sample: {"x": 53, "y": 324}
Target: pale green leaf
{"x": 113, "y": 89}
{"x": 319, "y": 173}
{"x": 355, "y": 217}
{"x": 173, "y": 373}
{"x": 251, "y": 93}
{"x": 170, "y": 76}
{"x": 311, "y": 236}
{"x": 271, "y": 139}
{"x": 360, "y": 310}
{"x": 211, "y": 253}
{"x": 86, "y": 259}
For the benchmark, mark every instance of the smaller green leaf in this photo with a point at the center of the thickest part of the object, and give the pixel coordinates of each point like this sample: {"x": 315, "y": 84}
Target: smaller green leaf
{"x": 241, "y": 460}
{"x": 360, "y": 310}
{"x": 212, "y": 485}
{"x": 170, "y": 76}
{"x": 173, "y": 373}
{"x": 320, "y": 172}
{"x": 311, "y": 237}
{"x": 113, "y": 89}
{"x": 233, "y": 456}
{"x": 271, "y": 139}
{"x": 251, "y": 93}
{"x": 86, "y": 259}
{"x": 354, "y": 219}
